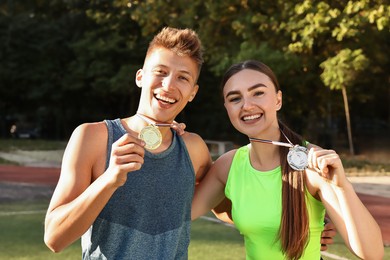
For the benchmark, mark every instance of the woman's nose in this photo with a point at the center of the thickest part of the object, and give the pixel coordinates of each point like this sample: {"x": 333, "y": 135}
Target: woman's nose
{"x": 247, "y": 104}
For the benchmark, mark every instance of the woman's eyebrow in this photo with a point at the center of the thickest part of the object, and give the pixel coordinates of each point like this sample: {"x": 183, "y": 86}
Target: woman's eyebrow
{"x": 259, "y": 85}
{"x": 236, "y": 92}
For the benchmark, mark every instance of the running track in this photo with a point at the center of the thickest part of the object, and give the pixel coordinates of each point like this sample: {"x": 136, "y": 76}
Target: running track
{"x": 378, "y": 206}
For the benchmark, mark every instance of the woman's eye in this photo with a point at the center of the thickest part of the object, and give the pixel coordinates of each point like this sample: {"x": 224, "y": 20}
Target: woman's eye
{"x": 234, "y": 99}
{"x": 259, "y": 93}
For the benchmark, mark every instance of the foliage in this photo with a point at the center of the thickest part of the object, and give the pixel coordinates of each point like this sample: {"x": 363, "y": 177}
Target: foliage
{"x": 341, "y": 70}
{"x": 67, "y": 62}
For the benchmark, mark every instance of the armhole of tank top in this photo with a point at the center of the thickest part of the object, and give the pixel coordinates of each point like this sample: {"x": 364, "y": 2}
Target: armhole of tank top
{"x": 227, "y": 185}
{"x": 311, "y": 197}
{"x": 183, "y": 144}
{"x": 109, "y": 141}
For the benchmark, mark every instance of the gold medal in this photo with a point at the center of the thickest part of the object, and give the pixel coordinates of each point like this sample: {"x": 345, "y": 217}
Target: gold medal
{"x": 151, "y": 136}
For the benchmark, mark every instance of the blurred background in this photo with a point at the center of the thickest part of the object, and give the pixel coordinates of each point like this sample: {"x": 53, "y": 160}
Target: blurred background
{"x": 65, "y": 62}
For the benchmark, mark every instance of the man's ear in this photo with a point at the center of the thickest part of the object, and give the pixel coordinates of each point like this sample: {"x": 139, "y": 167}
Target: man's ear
{"x": 279, "y": 100}
{"x": 193, "y": 94}
{"x": 138, "y": 78}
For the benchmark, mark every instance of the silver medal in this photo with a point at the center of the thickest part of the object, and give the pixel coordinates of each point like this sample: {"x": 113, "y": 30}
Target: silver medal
{"x": 297, "y": 158}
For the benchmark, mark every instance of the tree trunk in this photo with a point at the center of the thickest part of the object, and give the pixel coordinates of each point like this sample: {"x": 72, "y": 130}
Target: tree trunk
{"x": 346, "y": 108}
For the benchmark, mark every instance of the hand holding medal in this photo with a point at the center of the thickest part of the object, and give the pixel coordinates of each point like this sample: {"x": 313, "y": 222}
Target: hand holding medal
{"x": 297, "y": 155}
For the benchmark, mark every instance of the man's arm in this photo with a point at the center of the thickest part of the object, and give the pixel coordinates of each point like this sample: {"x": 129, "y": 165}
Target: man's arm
{"x": 199, "y": 154}
{"x": 84, "y": 188}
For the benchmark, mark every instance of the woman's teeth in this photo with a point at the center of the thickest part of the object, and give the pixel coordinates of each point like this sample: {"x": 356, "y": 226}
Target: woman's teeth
{"x": 246, "y": 118}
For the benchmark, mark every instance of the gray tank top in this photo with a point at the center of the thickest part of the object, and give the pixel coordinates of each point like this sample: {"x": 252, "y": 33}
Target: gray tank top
{"x": 150, "y": 216}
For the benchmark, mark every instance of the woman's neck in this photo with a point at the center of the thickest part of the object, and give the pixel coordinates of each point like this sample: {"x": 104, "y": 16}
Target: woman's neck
{"x": 264, "y": 157}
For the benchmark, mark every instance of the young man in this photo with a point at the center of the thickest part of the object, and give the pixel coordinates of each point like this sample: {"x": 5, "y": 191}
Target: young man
{"x": 128, "y": 198}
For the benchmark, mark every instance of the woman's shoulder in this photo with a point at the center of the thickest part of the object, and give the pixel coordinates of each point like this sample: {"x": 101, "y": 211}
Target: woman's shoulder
{"x": 222, "y": 165}
{"x": 227, "y": 157}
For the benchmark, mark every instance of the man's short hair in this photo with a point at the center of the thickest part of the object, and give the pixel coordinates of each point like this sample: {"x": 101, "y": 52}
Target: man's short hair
{"x": 183, "y": 42}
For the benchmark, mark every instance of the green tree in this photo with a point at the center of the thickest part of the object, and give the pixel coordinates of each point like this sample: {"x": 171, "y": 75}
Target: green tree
{"x": 341, "y": 72}
{"x": 87, "y": 52}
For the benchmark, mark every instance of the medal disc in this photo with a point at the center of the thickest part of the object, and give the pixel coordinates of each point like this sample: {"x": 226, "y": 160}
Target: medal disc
{"x": 151, "y": 136}
{"x": 297, "y": 158}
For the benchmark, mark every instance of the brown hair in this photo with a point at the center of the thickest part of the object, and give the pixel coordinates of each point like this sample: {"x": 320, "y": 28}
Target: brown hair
{"x": 294, "y": 226}
{"x": 183, "y": 42}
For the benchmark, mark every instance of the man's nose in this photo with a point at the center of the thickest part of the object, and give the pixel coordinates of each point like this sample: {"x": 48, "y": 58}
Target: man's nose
{"x": 168, "y": 82}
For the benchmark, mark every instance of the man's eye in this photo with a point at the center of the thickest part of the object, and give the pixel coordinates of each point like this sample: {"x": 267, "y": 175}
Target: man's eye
{"x": 183, "y": 78}
{"x": 159, "y": 72}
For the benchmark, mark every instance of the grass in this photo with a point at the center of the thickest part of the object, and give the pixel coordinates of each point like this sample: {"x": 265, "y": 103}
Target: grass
{"x": 21, "y": 237}
{"x": 9, "y": 145}
{"x": 361, "y": 167}
{"x": 4, "y": 161}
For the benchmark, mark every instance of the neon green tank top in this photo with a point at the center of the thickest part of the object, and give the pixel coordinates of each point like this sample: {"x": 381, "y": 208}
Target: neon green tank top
{"x": 256, "y": 209}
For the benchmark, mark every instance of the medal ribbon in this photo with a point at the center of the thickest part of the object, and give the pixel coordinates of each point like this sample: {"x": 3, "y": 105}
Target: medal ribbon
{"x": 148, "y": 120}
{"x": 289, "y": 144}
{"x": 270, "y": 142}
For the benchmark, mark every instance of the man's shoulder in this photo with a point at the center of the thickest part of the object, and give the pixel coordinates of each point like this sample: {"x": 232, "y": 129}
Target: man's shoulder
{"x": 192, "y": 137}
{"x": 198, "y": 152}
{"x": 194, "y": 141}
{"x": 91, "y": 130}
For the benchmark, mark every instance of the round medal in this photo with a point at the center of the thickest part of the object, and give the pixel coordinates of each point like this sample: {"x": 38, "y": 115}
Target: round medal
{"x": 297, "y": 158}
{"x": 151, "y": 136}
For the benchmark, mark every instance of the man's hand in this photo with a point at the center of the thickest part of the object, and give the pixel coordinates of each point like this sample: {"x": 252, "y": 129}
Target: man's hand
{"x": 327, "y": 234}
{"x": 127, "y": 155}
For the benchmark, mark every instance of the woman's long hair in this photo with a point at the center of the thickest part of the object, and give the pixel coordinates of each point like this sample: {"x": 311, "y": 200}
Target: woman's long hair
{"x": 294, "y": 224}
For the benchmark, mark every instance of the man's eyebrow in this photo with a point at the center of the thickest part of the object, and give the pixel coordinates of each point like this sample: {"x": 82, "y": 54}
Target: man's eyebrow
{"x": 166, "y": 67}
{"x": 235, "y": 92}
{"x": 186, "y": 72}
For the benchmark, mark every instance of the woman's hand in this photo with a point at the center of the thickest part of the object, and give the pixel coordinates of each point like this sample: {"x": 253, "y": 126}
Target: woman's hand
{"x": 178, "y": 127}
{"x": 328, "y": 164}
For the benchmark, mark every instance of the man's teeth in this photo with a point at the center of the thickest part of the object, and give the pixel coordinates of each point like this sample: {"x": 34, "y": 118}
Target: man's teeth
{"x": 166, "y": 99}
{"x": 251, "y": 117}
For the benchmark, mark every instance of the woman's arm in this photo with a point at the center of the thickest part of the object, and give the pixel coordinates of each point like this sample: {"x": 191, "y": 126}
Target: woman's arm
{"x": 353, "y": 221}
{"x": 223, "y": 211}
{"x": 210, "y": 191}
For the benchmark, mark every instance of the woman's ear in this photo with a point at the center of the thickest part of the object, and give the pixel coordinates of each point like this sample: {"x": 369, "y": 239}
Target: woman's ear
{"x": 138, "y": 78}
{"x": 279, "y": 100}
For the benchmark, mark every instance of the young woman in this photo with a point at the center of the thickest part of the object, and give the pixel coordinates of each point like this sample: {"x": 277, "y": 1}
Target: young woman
{"x": 279, "y": 194}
